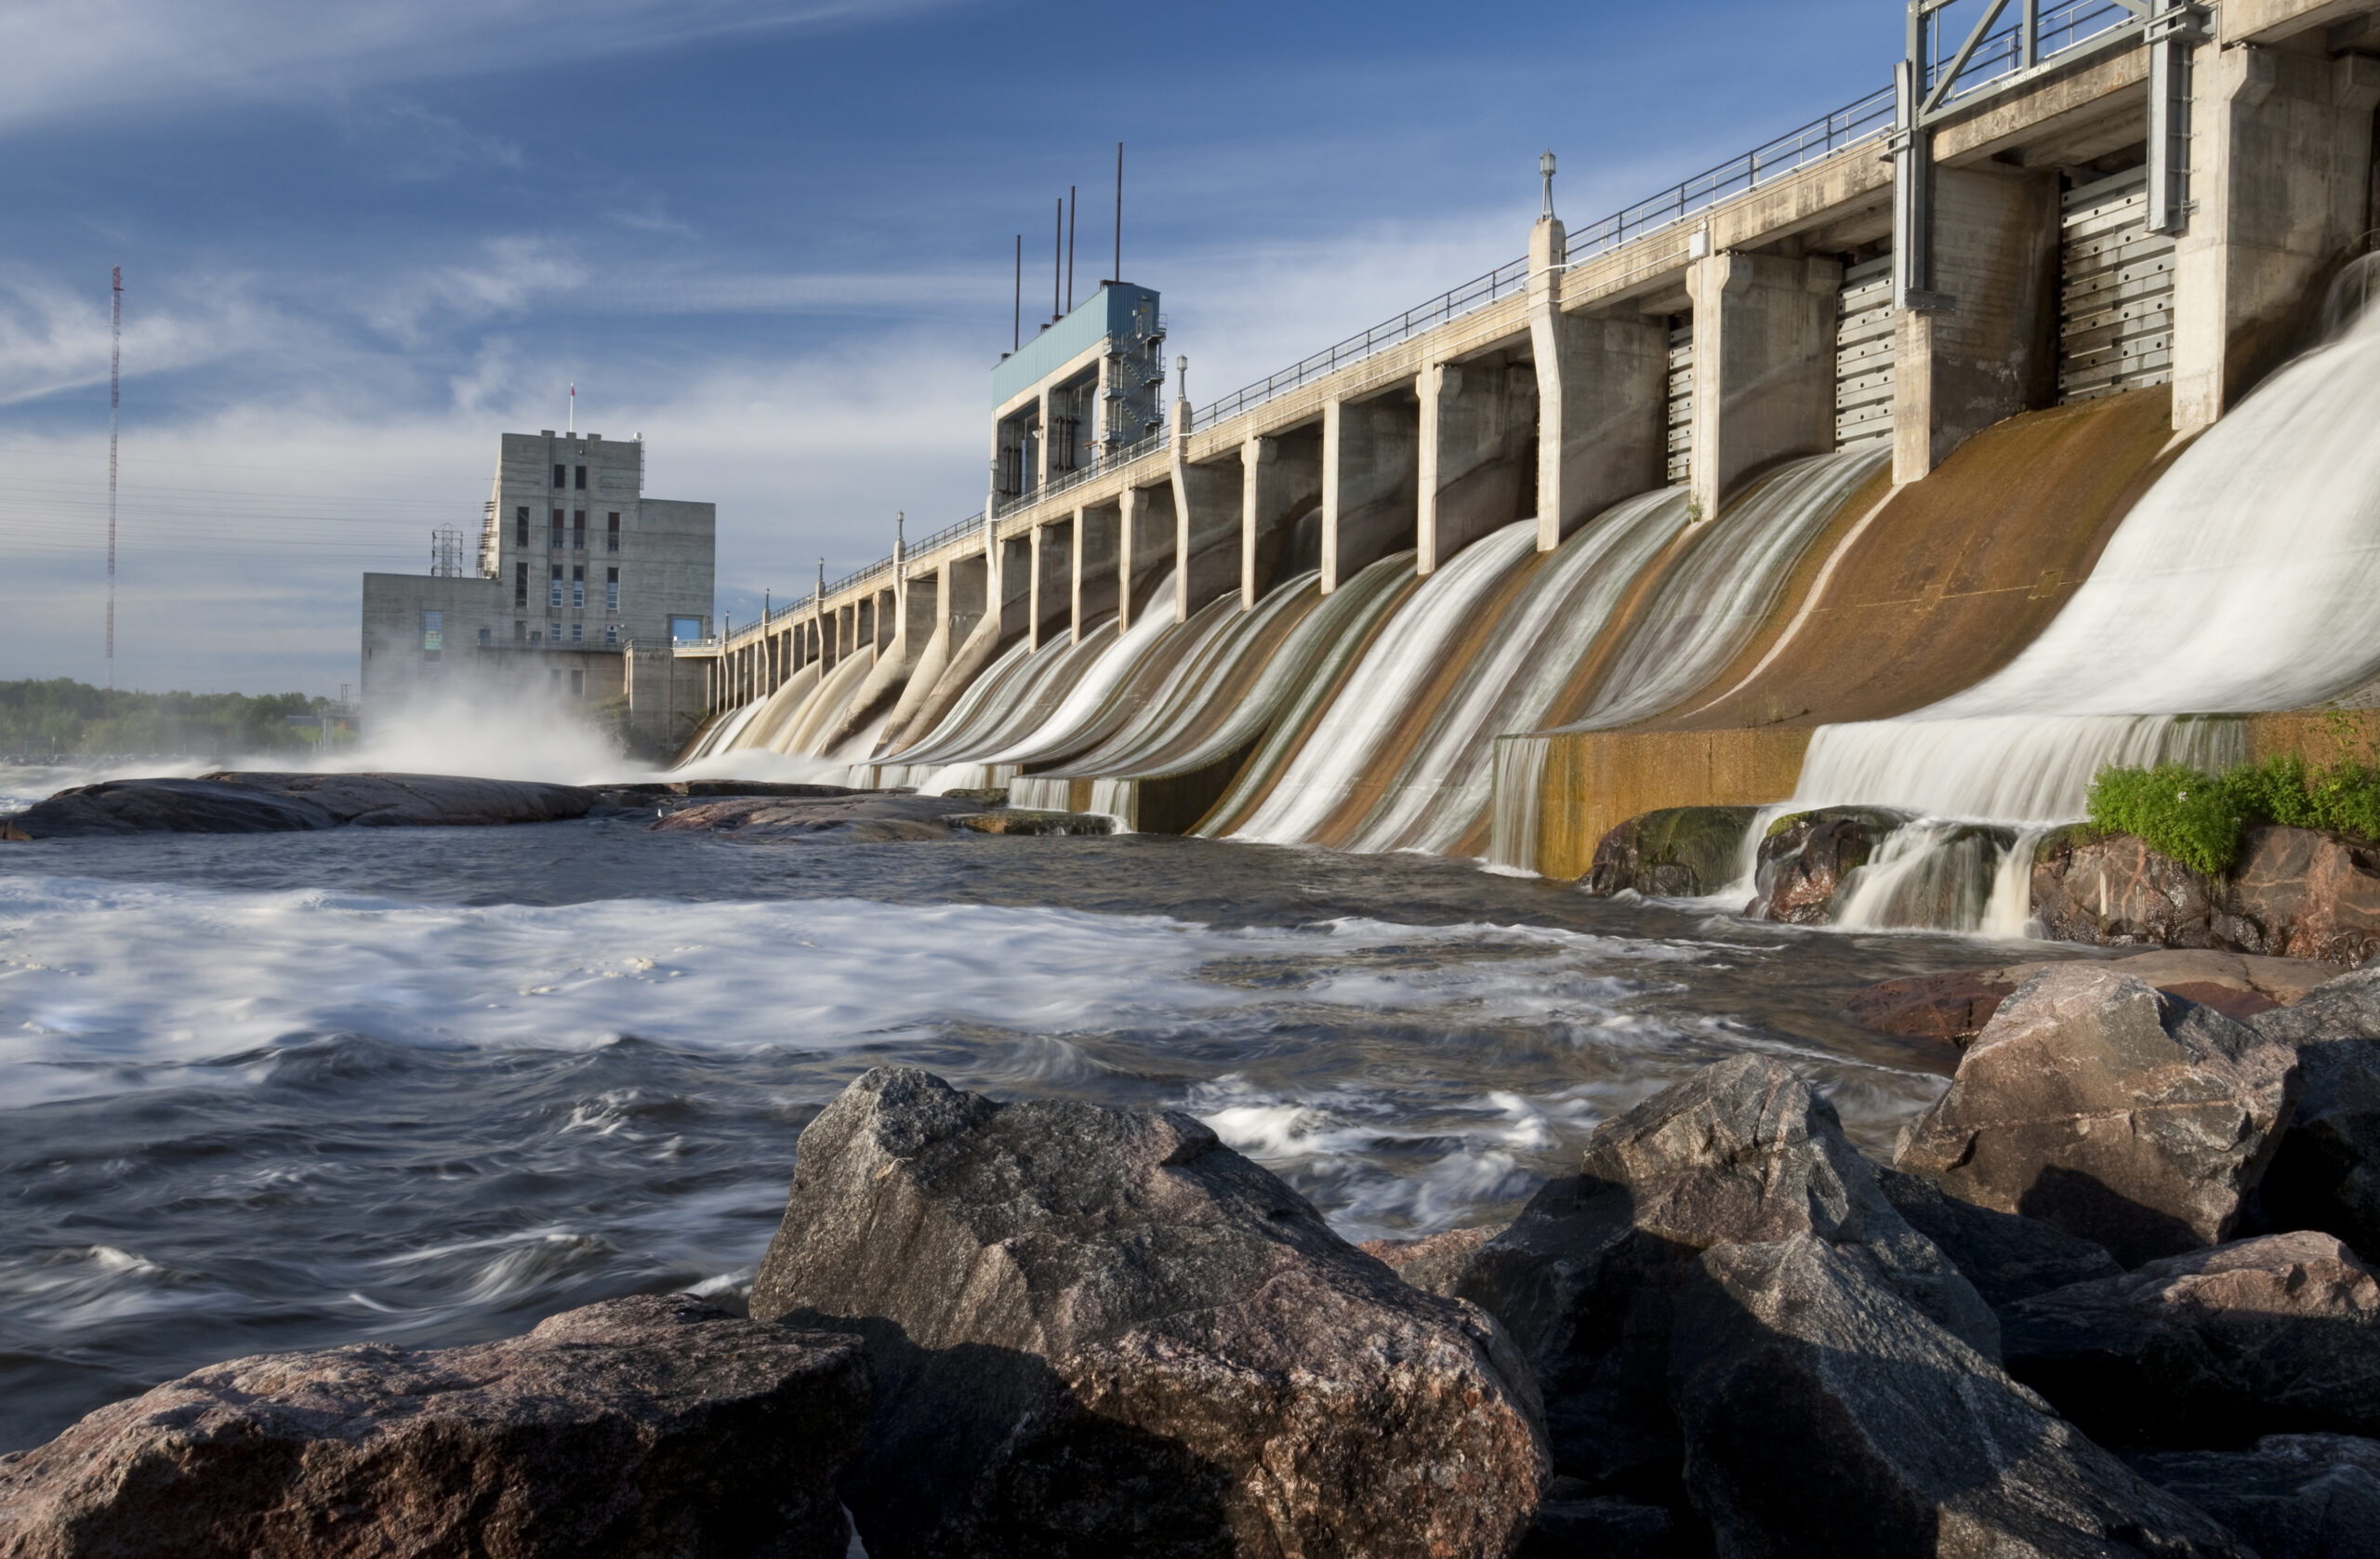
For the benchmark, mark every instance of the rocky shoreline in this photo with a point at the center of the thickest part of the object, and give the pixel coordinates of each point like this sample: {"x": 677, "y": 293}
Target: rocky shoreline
{"x": 2111, "y": 1297}
{"x": 2293, "y": 892}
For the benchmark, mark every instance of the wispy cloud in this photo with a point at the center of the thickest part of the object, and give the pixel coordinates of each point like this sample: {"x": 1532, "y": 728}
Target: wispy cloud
{"x": 68, "y": 57}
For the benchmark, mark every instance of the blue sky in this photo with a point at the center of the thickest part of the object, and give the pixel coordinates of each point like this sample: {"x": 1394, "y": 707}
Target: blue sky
{"x": 360, "y": 241}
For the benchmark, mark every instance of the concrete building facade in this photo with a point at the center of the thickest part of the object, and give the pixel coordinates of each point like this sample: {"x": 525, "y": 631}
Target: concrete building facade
{"x": 574, "y": 570}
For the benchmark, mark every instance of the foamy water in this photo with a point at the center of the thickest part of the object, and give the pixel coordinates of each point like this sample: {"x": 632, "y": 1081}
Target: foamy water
{"x": 433, "y": 1085}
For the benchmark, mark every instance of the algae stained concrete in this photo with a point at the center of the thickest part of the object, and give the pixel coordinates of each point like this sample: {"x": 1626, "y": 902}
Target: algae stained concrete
{"x": 1907, "y": 599}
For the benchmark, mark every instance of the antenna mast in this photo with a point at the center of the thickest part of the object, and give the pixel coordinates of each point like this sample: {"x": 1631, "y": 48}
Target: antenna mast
{"x": 1119, "y": 212}
{"x": 115, "y": 364}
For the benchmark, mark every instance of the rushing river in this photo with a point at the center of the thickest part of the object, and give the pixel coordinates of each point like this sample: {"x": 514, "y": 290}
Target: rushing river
{"x": 428, "y": 1086}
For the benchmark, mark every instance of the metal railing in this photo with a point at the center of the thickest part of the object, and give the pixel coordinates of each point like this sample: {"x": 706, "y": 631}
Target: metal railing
{"x": 1477, "y": 293}
{"x": 2002, "y": 53}
{"x": 1081, "y": 474}
{"x": 1820, "y": 138}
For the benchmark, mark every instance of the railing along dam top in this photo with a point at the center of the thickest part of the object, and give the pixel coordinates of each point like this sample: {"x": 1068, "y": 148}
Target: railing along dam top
{"x": 2038, "y": 36}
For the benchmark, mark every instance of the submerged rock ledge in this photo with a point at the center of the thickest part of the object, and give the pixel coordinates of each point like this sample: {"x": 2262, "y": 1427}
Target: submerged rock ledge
{"x": 2132, "y": 1237}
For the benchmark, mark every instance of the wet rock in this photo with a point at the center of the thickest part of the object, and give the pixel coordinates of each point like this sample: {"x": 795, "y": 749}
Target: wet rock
{"x": 422, "y": 800}
{"x": 164, "y": 806}
{"x": 2007, "y": 1257}
{"x": 2097, "y": 1104}
{"x": 239, "y": 803}
{"x": 1806, "y": 857}
{"x": 2293, "y": 892}
{"x": 1951, "y": 1008}
{"x": 1432, "y": 1264}
{"x": 641, "y": 1427}
{"x": 1101, "y": 1330}
{"x": 1009, "y": 821}
{"x": 869, "y": 814}
{"x": 989, "y": 797}
{"x": 1588, "y": 1278}
{"x": 1676, "y": 853}
{"x": 1954, "y": 1007}
{"x": 2294, "y": 1495}
{"x": 2269, "y": 1335}
{"x": 1822, "y": 1413}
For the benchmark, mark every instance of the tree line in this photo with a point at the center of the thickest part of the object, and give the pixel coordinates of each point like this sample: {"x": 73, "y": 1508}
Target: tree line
{"x": 62, "y": 716}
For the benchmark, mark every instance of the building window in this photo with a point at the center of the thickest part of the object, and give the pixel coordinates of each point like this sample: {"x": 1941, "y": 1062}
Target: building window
{"x": 487, "y": 636}
{"x": 577, "y": 635}
{"x": 578, "y": 587}
{"x": 521, "y": 526}
{"x": 553, "y": 677}
{"x": 561, "y": 476}
{"x": 611, "y": 589}
{"x": 521, "y": 581}
{"x": 539, "y": 637}
{"x": 519, "y": 633}
{"x": 686, "y": 631}
{"x": 582, "y": 478}
{"x": 433, "y": 634}
{"x": 555, "y": 599}
{"x": 578, "y": 684}
{"x": 611, "y": 633}
{"x": 557, "y": 541}
{"x": 612, "y": 534}
{"x": 578, "y": 530}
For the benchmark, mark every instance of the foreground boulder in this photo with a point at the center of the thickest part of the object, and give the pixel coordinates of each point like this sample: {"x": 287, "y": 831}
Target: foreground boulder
{"x": 1676, "y": 852}
{"x": 2327, "y": 1173}
{"x": 2095, "y": 1102}
{"x": 2294, "y": 1495}
{"x": 2006, "y": 1256}
{"x": 2269, "y": 1335}
{"x": 2292, "y": 892}
{"x": 637, "y": 1428}
{"x": 233, "y": 802}
{"x": 1589, "y": 1278}
{"x": 1102, "y": 1332}
{"x": 1433, "y": 1264}
{"x": 1730, "y": 1316}
{"x": 1823, "y": 1414}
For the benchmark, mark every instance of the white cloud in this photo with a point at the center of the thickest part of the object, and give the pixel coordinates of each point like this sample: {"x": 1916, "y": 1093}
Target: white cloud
{"x": 71, "y": 57}
{"x": 54, "y": 337}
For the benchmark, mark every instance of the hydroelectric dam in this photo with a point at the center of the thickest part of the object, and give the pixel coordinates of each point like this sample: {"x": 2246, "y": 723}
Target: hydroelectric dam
{"x": 2019, "y": 417}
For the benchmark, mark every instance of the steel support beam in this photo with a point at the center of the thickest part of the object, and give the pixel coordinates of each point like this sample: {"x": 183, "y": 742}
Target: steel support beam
{"x": 2173, "y": 35}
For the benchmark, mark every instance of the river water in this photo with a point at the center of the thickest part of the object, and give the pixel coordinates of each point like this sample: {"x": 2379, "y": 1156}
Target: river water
{"x": 429, "y": 1085}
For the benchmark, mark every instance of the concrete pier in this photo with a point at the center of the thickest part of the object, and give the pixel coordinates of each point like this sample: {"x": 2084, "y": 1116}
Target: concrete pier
{"x": 1475, "y": 451}
{"x": 1764, "y": 366}
{"x": 1280, "y": 484}
{"x": 1371, "y": 481}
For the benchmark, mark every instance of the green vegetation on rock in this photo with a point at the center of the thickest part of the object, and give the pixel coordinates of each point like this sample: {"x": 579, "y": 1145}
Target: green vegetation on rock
{"x": 62, "y": 716}
{"x": 2196, "y": 817}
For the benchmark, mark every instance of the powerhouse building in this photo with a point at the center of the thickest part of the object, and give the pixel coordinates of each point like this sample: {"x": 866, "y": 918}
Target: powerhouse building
{"x": 576, "y": 590}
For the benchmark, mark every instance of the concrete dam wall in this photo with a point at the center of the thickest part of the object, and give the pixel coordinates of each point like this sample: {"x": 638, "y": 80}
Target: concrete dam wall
{"x": 1994, "y": 427}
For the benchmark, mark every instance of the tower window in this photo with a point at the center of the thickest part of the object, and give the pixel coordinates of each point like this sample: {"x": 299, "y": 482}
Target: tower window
{"x": 555, "y": 599}
{"x": 557, "y": 541}
{"x": 433, "y": 634}
{"x": 578, "y": 531}
{"x": 561, "y": 476}
{"x": 519, "y": 632}
{"x": 520, "y": 582}
{"x": 611, "y": 633}
{"x": 611, "y": 589}
{"x": 487, "y": 636}
{"x": 521, "y": 526}
{"x": 578, "y": 587}
{"x": 578, "y": 684}
{"x": 581, "y": 483}
{"x": 612, "y": 534}
{"x": 577, "y": 632}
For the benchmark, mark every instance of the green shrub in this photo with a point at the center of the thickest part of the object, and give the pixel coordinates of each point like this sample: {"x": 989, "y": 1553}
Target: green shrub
{"x": 2196, "y": 818}
{"x": 2178, "y": 811}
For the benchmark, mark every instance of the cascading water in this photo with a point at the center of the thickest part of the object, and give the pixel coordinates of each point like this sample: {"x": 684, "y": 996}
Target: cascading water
{"x": 2247, "y": 579}
{"x": 1955, "y": 877}
{"x": 1445, "y": 784}
{"x": 1412, "y": 648}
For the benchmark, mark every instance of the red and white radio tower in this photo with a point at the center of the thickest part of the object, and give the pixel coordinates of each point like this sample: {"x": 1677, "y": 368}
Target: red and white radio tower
{"x": 115, "y": 362}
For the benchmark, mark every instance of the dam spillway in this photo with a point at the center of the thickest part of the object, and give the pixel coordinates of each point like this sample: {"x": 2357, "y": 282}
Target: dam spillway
{"x": 1986, "y": 430}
